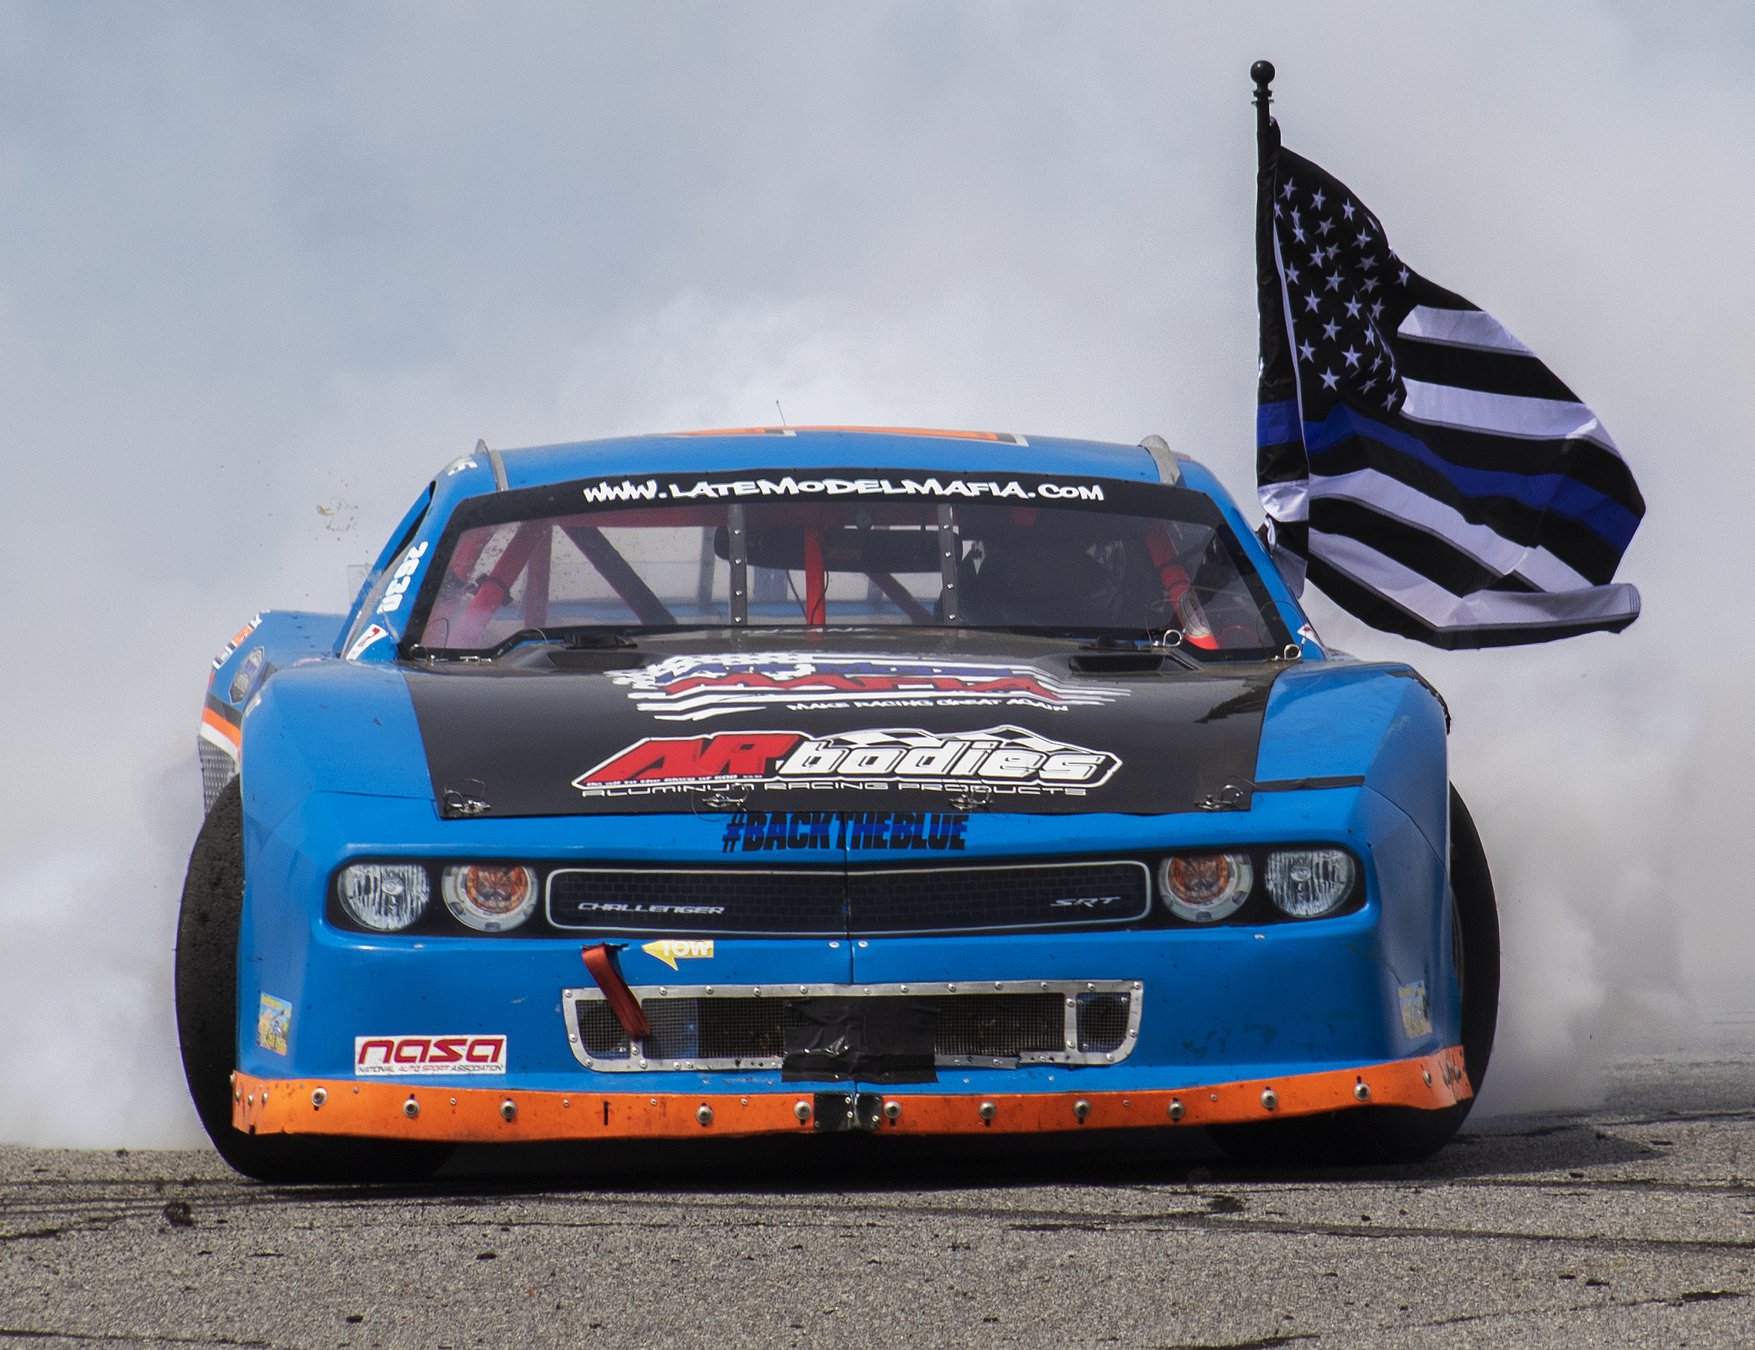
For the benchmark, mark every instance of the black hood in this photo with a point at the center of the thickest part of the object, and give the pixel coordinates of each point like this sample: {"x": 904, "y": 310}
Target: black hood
{"x": 840, "y": 722}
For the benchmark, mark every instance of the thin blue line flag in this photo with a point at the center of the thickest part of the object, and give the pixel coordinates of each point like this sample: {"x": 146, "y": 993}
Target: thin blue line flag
{"x": 1431, "y": 475}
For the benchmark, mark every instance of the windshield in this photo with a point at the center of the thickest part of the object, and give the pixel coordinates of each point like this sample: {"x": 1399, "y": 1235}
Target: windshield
{"x": 786, "y": 550}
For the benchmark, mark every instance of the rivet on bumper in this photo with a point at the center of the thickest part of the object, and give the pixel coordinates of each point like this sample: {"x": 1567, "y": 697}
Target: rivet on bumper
{"x": 411, "y": 1108}
{"x": 1362, "y": 1090}
{"x": 892, "y": 1110}
{"x": 704, "y": 1115}
{"x": 802, "y": 1111}
{"x": 508, "y": 1110}
{"x": 1270, "y": 1100}
{"x": 1176, "y": 1108}
{"x": 985, "y": 1111}
{"x": 318, "y": 1097}
{"x": 1081, "y": 1108}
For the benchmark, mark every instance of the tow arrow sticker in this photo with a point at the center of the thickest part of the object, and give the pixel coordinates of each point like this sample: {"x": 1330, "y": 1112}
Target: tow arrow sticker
{"x": 672, "y": 950}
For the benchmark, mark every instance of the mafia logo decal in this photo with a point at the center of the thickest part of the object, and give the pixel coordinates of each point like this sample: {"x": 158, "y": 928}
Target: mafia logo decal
{"x": 988, "y": 489}
{"x": 378, "y": 1056}
{"x": 1000, "y": 759}
{"x": 694, "y": 688}
{"x": 858, "y": 831}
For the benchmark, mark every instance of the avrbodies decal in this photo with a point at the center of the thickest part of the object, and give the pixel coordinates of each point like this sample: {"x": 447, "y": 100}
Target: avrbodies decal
{"x": 694, "y": 688}
{"x": 856, "y": 831}
{"x": 1002, "y": 759}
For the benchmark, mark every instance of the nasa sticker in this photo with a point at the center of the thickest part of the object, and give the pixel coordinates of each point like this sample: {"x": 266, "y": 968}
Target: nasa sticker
{"x": 399, "y": 580}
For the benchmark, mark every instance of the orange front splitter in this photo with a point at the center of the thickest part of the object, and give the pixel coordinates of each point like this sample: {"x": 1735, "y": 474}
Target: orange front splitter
{"x": 384, "y": 1110}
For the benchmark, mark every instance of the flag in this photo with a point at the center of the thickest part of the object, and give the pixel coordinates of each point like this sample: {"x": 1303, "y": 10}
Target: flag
{"x": 1434, "y": 477}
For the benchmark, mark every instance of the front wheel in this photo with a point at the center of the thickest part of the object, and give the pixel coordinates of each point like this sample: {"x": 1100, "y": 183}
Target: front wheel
{"x": 207, "y": 1028}
{"x": 1392, "y": 1134}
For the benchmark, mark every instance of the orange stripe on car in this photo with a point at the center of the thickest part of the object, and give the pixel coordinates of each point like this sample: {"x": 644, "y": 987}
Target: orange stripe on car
{"x": 230, "y": 730}
{"x": 389, "y": 1110}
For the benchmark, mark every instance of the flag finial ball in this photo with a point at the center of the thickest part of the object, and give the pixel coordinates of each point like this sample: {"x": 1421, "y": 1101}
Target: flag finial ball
{"x": 1262, "y": 72}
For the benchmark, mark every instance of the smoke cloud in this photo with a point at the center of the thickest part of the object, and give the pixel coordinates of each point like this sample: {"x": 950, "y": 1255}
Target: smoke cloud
{"x": 261, "y": 273}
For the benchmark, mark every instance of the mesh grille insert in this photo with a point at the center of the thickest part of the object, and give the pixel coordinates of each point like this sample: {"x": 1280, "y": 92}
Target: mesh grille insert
{"x": 217, "y": 769}
{"x": 948, "y": 899}
{"x": 830, "y": 902}
{"x": 741, "y": 1029}
{"x": 1102, "y": 1022}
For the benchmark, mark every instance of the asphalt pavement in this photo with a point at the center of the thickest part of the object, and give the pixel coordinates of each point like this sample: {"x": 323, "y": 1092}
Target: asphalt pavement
{"x": 1630, "y": 1224}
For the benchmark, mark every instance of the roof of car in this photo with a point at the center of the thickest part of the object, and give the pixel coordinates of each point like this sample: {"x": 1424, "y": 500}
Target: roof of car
{"x": 832, "y": 447}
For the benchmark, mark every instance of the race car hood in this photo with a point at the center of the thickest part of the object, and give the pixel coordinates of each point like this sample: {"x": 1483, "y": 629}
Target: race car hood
{"x": 1032, "y": 727}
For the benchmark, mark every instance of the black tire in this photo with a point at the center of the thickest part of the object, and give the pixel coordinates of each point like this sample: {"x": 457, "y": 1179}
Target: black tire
{"x": 207, "y": 993}
{"x": 1394, "y": 1134}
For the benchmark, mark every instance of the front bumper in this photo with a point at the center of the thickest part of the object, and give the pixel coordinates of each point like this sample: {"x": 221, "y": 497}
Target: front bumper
{"x": 345, "y": 1106}
{"x": 1234, "y": 1023}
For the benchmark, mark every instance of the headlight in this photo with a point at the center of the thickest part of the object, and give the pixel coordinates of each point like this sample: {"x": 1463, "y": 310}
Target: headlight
{"x": 1309, "y": 882}
{"x": 489, "y": 897}
{"x": 385, "y": 897}
{"x": 1204, "y": 887}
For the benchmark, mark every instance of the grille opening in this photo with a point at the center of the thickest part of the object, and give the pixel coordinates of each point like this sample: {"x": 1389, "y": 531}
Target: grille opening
{"x": 730, "y": 1030}
{"x": 601, "y": 1033}
{"x": 1102, "y": 1022}
{"x": 1000, "y": 1026}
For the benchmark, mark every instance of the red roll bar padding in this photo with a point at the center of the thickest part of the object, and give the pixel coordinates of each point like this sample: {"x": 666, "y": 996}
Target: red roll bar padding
{"x": 491, "y": 591}
{"x": 1179, "y": 590}
{"x": 815, "y": 580}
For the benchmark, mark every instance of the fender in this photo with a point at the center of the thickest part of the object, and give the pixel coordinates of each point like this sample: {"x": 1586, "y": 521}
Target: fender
{"x": 1375, "y": 721}
{"x": 255, "y": 654}
{"x": 334, "y": 726}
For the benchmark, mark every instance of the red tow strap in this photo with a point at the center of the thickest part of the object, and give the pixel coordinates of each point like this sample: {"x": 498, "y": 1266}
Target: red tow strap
{"x": 600, "y": 961}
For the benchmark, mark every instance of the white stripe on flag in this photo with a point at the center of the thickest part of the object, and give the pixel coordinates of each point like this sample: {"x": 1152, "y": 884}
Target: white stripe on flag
{"x": 1533, "y": 419}
{"x": 1431, "y": 604}
{"x": 1288, "y": 502}
{"x": 1460, "y": 328}
{"x": 1485, "y": 545}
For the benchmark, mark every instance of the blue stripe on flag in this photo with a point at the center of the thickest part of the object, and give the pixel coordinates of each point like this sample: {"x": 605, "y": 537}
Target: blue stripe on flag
{"x": 1277, "y": 423}
{"x": 1543, "y": 492}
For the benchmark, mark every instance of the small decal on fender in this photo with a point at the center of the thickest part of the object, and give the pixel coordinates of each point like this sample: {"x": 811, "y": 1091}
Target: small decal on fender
{"x": 1416, "y": 1016}
{"x": 371, "y": 634}
{"x": 672, "y": 950}
{"x": 273, "y": 1022}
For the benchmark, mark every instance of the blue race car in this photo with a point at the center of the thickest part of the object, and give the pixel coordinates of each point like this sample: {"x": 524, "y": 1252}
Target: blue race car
{"x": 797, "y": 780}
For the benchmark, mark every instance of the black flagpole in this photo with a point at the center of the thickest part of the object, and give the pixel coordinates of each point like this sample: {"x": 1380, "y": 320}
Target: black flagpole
{"x": 1262, "y": 72}
{"x": 1278, "y": 459}
{"x": 1277, "y": 377}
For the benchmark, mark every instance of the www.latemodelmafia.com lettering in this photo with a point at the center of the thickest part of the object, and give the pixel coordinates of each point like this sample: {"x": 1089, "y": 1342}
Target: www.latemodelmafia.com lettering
{"x": 652, "y": 490}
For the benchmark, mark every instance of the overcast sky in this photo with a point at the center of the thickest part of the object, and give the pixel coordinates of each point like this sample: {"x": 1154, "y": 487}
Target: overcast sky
{"x": 264, "y": 269}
